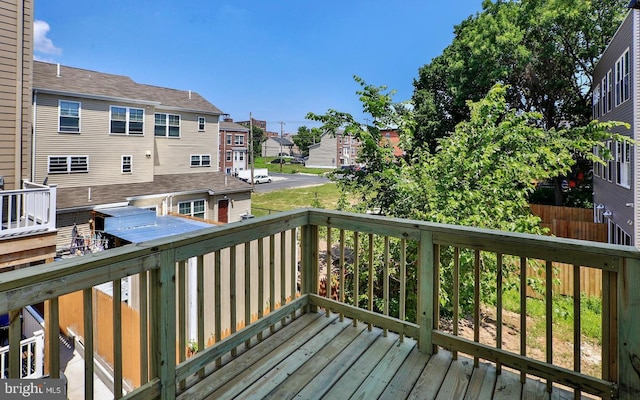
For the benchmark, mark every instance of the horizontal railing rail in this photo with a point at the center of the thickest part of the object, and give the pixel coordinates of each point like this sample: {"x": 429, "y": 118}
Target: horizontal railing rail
{"x": 196, "y": 299}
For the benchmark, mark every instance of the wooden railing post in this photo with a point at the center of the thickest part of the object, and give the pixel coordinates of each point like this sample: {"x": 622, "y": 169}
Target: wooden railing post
{"x": 309, "y": 267}
{"x": 426, "y": 286}
{"x": 165, "y": 324}
{"x": 628, "y": 328}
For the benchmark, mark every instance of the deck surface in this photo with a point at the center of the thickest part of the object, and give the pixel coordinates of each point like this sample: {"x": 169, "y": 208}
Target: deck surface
{"x": 319, "y": 357}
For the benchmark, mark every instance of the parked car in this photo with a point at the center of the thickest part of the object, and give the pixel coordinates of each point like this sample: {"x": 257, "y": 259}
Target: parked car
{"x": 285, "y": 155}
{"x": 261, "y": 179}
{"x": 297, "y": 160}
{"x": 278, "y": 161}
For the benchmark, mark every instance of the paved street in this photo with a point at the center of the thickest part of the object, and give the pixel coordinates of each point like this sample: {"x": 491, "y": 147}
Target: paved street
{"x": 289, "y": 181}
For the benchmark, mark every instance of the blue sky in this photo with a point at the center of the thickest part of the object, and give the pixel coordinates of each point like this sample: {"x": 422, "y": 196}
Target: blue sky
{"x": 277, "y": 59}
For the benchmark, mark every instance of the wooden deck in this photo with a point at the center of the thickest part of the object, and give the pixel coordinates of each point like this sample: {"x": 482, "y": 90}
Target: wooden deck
{"x": 319, "y": 357}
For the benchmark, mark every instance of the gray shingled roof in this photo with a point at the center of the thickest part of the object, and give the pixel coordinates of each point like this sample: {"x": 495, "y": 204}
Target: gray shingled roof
{"x": 78, "y": 197}
{"x": 232, "y": 126}
{"x": 76, "y": 81}
{"x": 283, "y": 141}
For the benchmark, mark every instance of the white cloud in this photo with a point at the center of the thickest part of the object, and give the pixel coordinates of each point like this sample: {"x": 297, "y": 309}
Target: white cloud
{"x": 42, "y": 43}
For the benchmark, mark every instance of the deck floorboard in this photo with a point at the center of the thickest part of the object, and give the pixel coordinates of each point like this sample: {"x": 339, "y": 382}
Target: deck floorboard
{"x": 318, "y": 357}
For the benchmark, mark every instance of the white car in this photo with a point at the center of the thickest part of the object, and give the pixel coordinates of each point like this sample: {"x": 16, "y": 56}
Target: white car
{"x": 261, "y": 179}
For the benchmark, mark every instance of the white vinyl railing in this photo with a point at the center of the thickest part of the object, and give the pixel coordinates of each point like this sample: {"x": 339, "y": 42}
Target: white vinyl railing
{"x": 32, "y": 355}
{"x": 31, "y": 209}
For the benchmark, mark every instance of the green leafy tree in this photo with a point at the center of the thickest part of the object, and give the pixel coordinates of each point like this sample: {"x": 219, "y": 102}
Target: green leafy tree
{"x": 306, "y": 137}
{"x": 480, "y": 175}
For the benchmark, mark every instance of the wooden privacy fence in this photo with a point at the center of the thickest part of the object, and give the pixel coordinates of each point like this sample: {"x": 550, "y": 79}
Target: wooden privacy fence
{"x": 572, "y": 223}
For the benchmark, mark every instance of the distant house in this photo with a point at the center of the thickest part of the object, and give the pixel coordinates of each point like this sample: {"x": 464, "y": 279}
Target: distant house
{"x": 234, "y": 147}
{"x": 616, "y": 97}
{"x": 275, "y": 145}
{"x": 391, "y": 137}
{"x": 107, "y": 141}
{"x": 333, "y": 151}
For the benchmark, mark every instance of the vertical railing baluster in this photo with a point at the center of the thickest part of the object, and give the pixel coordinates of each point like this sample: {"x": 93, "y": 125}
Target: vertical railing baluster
{"x": 328, "y": 272}
{"x": 272, "y": 278}
{"x": 456, "y": 295}
{"x": 53, "y": 334}
{"x": 154, "y": 294}
{"x": 356, "y": 272}
{"x": 385, "y": 282}
{"x": 548, "y": 294}
{"x": 182, "y": 315}
{"x": 247, "y": 288}
{"x": 165, "y": 324}
{"x": 625, "y": 296}
{"x": 426, "y": 285}
{"x": 476, "y": 302}
{"x": 436, "y": 290}
{"x": 342, "y": 271}
{"x": 15, "y": 335}
{"x": 403, "y": 283}
{"x": 283, "y": 273}
{"x": 309, "y": 270}
{"x": 523, "y": 312}
{"x": 499, "y": 279}
{"x": 144, "y": 335}
{"x": 260, "y": 281}
{"x": 200, "y": 301}
{"x": 294, "y": 265}
{"x": 218, "y": 301}
{"x": 233, "y": 299}
{"x": 577, "y": 333}
{"x": 370, "y": 280}
{"x": 87, "y": 302}
{"x": 117, "y": 338}
{"x": 606, "y": 325}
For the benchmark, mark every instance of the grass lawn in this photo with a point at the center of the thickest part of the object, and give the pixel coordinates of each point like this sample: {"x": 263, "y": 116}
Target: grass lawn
{"x": 265, "y": 162}
{"x": 324, "y": 196}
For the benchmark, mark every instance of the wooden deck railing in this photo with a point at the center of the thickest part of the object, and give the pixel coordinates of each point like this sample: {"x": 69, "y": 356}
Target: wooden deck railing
{"x": 215, "y": 291}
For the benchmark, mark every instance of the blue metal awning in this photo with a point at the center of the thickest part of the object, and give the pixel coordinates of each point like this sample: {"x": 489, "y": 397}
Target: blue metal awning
{"x": 137, "y": 225}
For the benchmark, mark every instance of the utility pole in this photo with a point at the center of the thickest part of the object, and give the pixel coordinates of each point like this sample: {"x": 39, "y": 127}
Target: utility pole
{"x": 281, "y": 139}
{"x": 251, "y": 146}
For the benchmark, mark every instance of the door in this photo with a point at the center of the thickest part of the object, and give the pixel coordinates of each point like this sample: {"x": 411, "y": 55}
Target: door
{"x": 223, "y": 211}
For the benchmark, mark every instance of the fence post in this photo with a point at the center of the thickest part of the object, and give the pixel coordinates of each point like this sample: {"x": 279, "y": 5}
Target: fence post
{"x": 426, "y": 287}
{"x": 165, "y": 324}
{"x": 628, "y": 328}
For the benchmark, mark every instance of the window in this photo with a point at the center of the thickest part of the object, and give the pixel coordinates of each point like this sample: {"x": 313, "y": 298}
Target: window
{"x": 610, "y": 161}
{"x": 603, "y": 95}
{"x": 239, "y": 140}
{"x": 622, "y": 78}
{"x": 167, "y": 125}
{"x": 127, "y": 120}
{"x": 69, "y": 112}
{"x": 229, "y": 138}
{"x": 68, "y": 164}
{"x": 201, "y": 123}
{"x": 201, "y": 160}
{"x": 617, "y": 235}
{"x": 609, "y": 90}
{"x": 596, "y": 103}
{"x": 126, "y": 164}
{"x": 228, "y": 158}
{"x": 193, "y": 208}
{"x": 241, "y": 156}
{"x": 623, "y": 164}
{"x": 597, "y": 167}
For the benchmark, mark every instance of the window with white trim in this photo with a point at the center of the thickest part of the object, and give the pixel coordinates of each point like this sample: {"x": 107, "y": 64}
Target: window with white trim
{"x": 229, "y": 139}
{"x": 126, "y": 121}
{"x": 609, "y": 169}
{"x": 127, "y": 164}
{"x": 201, "y": 124}
{"x": 239, "y": 140}
{"x": 617, "y": 235}
{"x": 201, "y": 160}
{"x": 242, "y": 156}
{"x": 595, "y": 112}
{"x": 622, "y": 78}
{"x": 623, "y": 164}
{"x": 69, "y": 116}
{"x": 609, "y": 90}
{"x": 68, "y": 164}
{"x": 194, "y": 208}
{"x": 597, "y": 167}
{"x": 228, "y": 158}
{"x": 167, "y": 125}
{"x": 603, "y": 95}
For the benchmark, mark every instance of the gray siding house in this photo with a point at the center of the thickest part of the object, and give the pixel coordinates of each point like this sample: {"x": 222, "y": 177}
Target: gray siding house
{"x": 275, "y": 145}
{"x": 333, "y": 151}
{"x": 616, "y": 97}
